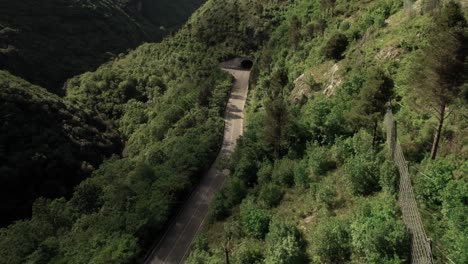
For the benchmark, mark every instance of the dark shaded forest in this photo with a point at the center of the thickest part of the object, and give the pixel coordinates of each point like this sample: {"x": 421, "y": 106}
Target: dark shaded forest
{"x": 47, "y": 42}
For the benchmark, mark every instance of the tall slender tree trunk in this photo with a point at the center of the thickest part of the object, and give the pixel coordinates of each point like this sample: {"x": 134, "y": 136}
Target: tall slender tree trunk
{"x": 435, "y": 144}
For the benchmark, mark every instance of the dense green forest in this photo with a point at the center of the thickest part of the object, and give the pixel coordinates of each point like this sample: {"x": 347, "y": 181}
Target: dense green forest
{"x": 166, "y": 102}
{"x": 50, "y": 144}
{"x": 311, "y": 180}
{"x": 47, "y": 42}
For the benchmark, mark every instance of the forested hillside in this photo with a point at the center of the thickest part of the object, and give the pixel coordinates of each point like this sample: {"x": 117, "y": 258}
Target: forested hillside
{"x": 47, "y": 145}
{"x": 50, "y": 144}
{"x": 167, "y": 101}
{"x": 47, "y": 42}
{"x": 311, "y": 179}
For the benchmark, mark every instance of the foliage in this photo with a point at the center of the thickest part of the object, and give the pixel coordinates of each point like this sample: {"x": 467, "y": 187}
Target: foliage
{"x": 283, "y": 172}
{"x": 249, "y": 252}
{"x": 440, "y": 70}
{"x": 335, "y": 47}
{"x": 270, "y": 194}
{"x": 255, "y": 221}
{"x": 57, "y": 39}
{"x": 332, "y": 242}
{"x": 431, "y": 184}
{"x": 48, "y": 145}
{"x": 378, "y": 235}
{"x": 284, "y": 245}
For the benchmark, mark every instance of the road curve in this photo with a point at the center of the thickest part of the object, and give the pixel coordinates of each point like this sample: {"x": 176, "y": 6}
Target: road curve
{"x": 174, "y": 246}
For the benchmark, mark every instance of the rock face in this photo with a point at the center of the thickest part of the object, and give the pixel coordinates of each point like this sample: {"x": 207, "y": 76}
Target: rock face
{"x": 334, "y": 80}
{"x": 317, "y": 80}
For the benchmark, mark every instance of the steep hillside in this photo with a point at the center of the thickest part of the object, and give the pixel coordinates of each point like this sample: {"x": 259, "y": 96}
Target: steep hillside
{"x": 167, "y": 100}
{"x": 47, "y": 42}
{"x": 47, "y": 145}
{"x": 311, "y": 180}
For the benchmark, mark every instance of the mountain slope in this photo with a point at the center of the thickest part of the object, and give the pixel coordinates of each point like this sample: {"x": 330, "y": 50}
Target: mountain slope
{"x": 47, "y": 42}
{"x": 311, "y": 180}
{"x": 47, "y": 145}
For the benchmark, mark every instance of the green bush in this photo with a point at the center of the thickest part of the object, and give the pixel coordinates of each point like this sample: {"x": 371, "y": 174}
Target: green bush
{"x": 301, "y": 174}
{"x": 362, "y": 173}
{"x": 270, "y": 194}
{"x": 389, "y": 177}
{"x": 325, "y": 195}
{"x": 454, "y": 209}
{"x": 319, "y": 160}
{"x": 378, "y": 233}
{"x": 255, "y": 221}
{"x": 249, "y": 252}
{"x": 430, "y": 185}
{"x": 219, "y": 209}
{"x": 332, "y": 241}
{"x": 284, "y": 245}
{"x": 235, "y": 190}
{"x": 283, "y": 172}
{"x": 265, "y": 172}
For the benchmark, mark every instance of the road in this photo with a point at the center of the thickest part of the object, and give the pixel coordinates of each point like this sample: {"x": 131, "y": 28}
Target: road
{"x": 174, "y": 246}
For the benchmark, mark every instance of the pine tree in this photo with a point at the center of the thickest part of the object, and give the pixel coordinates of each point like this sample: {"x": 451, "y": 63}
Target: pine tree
{"x": 441, "y": 69}
{"x": 370, "y": 106}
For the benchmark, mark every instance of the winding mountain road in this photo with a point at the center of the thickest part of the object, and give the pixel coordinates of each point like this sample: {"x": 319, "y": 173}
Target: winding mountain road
{"x": 174, "y": 246}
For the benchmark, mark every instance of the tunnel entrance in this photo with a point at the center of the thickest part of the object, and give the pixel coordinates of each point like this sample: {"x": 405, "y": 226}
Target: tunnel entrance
{"x": 247, "y": 64}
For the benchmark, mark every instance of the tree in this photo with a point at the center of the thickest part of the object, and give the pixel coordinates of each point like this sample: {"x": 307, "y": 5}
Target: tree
{"x": 295, "y": 32}
{"x": 335, "y": 46}
{"x": 327, "y": 5}
{"x": 87, "y": 198}
{"x": 441, "y": 68}
{"x": 277, "y": 114}
{"x": 371, "y": 103}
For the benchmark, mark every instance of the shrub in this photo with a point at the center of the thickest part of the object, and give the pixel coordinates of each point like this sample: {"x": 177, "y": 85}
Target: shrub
{"x": 249, "y": 252}
{"x": 219, "y": 209}
{"x": 87, "y": 198}
{"x": 430, "y": 186}
{"x": 246, "y": 170}
{"x": 362, "y": 174}
{"x": 255, "y": 221}
{"x": 378, "y": 233}
{"x": 332, "y": 242}
{"x": 235, "y": 191}
{"x": 389, "y": 177}
{"x": 335, "y": 47}
{"x": 283, "y": 172}
{"x": 284, "y": 245}
{"x": 264, "y": 173}
{"x": 301, "y": 174}
{"x": 454, "y": 202}
{"x": 270, "y": 194}
{"x": 320, "y": 161}
{"x": 345, "y": 25}
{"x": 325, "y": 196}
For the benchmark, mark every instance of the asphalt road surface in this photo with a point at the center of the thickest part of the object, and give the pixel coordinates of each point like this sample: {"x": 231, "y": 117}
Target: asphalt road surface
{"x": 174, "y": 246}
